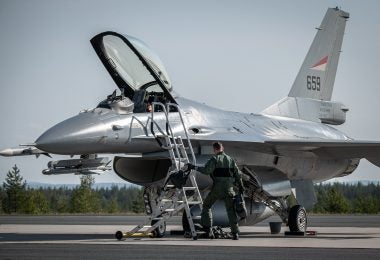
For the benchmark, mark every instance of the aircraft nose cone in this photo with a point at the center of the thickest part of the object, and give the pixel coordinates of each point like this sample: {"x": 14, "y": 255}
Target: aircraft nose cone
{"x": 76, "y": 135}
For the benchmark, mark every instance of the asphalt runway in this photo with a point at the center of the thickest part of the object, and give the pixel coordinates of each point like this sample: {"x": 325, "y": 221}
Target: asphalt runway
{"x": 62, "y": 251}
{"x": 313, "y": 220}
{"x": 81, "y": 237}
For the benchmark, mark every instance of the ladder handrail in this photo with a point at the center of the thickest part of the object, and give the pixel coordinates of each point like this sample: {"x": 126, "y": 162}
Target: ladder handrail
{"x": 168, "y": 126}
{"x": 145, "y": 127}
{"x": 184, "y": 128}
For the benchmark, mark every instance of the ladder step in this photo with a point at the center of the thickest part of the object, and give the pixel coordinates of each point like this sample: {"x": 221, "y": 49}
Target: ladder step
{"x": 167, "y": 147}
{"x": 170, "y": 186}
{"x": 166, "y": 200}
{"x": 193, "y": 202}
{"x": 196, "y": 217}
{"x": 189, "y": 188}
{"x": 169, "y": 210}
{"x": 184, "y": 160}
{"x": 161, "y": 135}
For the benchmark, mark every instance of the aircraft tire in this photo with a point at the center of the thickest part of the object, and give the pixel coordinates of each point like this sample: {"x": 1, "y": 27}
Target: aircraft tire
{"x": 297, "y": 219}
{"x": 160, "y": 230}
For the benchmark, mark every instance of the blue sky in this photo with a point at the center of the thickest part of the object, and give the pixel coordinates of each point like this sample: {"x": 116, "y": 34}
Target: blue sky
{"x": 237, "y": 55}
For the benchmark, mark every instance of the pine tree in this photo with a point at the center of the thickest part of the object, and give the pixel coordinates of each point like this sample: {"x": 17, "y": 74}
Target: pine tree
{"x": 84, "y": 199}
{"x": 113, "y": 206}
{"x": 138, "y": 202}
{"x": 336, "y": 202}
{"x": 365, "y": 205}
{"x": 14, "y": 187}
{"x": 35, "y": 203}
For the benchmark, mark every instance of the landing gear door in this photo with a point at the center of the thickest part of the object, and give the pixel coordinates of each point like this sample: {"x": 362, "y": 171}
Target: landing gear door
{"x": 132, "y": 65}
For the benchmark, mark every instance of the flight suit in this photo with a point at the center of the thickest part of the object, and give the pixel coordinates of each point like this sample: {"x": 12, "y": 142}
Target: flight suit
{"x": 224, "y": 172}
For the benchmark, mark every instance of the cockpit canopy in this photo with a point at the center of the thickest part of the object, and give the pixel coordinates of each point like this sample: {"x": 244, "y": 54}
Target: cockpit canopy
{"x": 135, "y": 68}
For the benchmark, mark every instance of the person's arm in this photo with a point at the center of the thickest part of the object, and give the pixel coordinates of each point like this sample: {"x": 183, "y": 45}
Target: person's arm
{"x": 208, "y": 168}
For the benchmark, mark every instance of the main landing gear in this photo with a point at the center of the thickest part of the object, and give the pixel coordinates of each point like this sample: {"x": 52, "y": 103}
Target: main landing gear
{"x": 297, "y": 220}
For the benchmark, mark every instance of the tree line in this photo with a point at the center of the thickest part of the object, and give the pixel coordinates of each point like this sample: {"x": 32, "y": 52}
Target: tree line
{"x": 347, "y": 198}
{"x": 17, "y": 197}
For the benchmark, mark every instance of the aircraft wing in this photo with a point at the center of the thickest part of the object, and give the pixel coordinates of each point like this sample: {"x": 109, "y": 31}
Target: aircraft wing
{"x": 327, "y": 149}
{"x": 332, "y": 149}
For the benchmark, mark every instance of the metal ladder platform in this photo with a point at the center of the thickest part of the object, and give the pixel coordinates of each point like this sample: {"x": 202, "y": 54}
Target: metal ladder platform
{"x": 172, "y": 199}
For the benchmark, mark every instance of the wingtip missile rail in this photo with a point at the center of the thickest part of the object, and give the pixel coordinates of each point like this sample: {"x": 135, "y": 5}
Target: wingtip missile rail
{"x": 22, "y": 151}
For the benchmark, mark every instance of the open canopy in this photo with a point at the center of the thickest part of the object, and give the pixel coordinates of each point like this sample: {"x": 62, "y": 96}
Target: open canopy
{"x": 132, "y": 64}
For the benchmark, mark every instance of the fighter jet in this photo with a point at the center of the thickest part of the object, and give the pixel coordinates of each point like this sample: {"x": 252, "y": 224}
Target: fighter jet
{"x": 285, "y": 149}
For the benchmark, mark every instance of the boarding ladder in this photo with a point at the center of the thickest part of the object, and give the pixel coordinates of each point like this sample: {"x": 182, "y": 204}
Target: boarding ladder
{"x": 171, "y": 200}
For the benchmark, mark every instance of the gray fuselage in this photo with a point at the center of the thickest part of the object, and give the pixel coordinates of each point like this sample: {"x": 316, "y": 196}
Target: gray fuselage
{"x": 102, "y": 130}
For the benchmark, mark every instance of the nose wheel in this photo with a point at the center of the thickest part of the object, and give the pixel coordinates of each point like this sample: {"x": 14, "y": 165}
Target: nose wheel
{"x": 297, "y": 219}
{"x": 160, "y": 230}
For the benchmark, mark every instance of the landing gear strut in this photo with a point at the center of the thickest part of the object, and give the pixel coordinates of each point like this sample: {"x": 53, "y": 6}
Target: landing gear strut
{"x": 295, "y": 218}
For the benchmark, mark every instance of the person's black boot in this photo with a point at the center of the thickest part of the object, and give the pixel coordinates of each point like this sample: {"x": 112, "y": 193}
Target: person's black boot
{"x": 235, "y": 236}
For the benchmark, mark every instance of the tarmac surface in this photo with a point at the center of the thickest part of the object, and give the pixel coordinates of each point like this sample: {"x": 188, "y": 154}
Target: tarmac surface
{"x": 313, "y": 220}
{"x": 57, "y": 237}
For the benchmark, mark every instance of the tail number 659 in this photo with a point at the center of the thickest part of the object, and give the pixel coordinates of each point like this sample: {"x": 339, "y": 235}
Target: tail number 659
{"x": 313, "y": 83}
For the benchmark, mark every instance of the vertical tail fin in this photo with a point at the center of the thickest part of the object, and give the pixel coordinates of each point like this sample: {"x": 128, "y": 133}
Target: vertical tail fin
{"x": 310, "y": 96}
{"x": 317, "y": 75}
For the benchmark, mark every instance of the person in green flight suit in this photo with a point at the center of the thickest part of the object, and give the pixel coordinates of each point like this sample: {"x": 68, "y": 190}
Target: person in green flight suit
{"x": 225, "y": 174}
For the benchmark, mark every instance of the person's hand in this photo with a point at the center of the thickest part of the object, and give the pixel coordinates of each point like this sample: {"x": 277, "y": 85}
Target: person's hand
{"x": 190, "y": 166}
